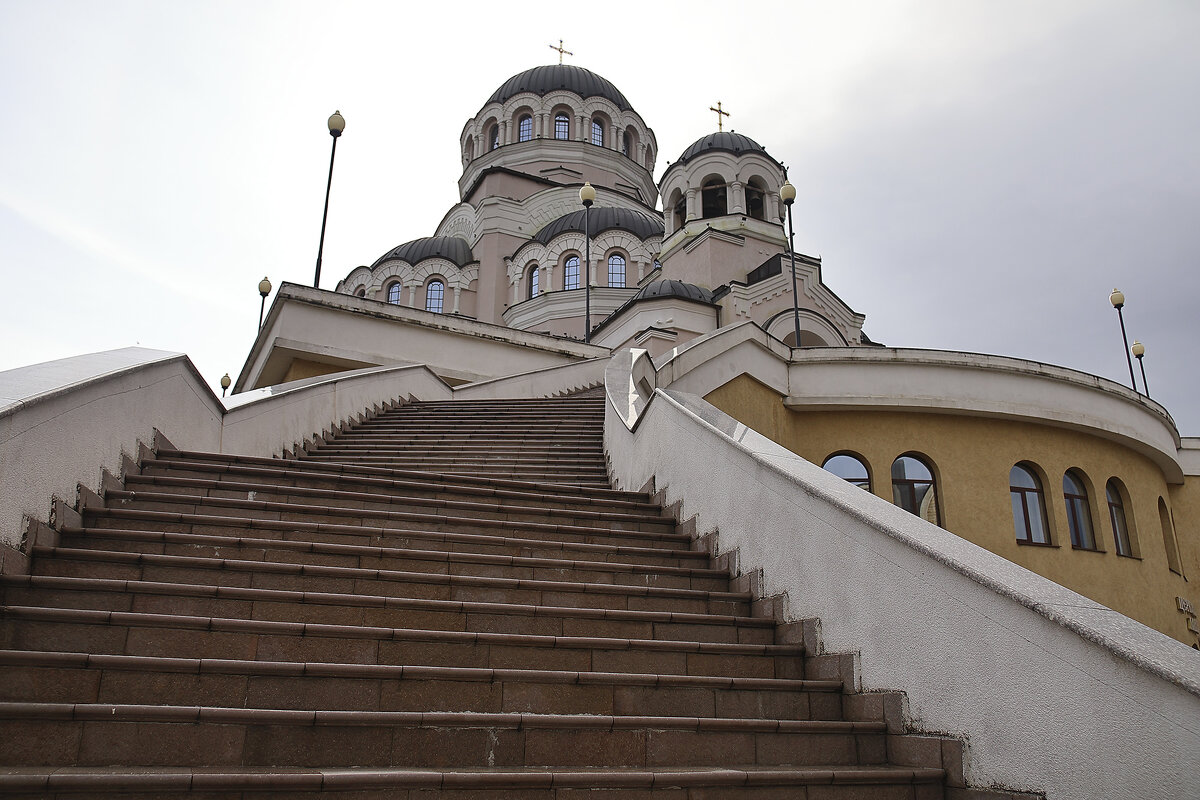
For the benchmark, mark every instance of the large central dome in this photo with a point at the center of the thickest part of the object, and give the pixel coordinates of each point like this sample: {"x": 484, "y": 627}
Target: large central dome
{"x": 554, "y": 77}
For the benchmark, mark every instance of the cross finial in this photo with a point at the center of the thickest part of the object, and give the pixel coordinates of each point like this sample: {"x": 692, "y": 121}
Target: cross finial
{"x": 720, "y": 114}
{"x": 561, "y": 50}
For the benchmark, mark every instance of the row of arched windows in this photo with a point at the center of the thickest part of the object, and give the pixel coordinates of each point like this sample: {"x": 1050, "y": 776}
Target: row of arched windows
{"x": 571, "y": 274}
{"x": 435, "y": 294}
{"x": 914, "y": 489}
{"x": 714, "y": 201}
{"x": 562, "y": 130}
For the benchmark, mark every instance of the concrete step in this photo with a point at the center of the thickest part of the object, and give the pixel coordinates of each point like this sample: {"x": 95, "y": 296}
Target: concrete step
{"x": 148, "y": 487}
{"x": 97, "y": 733}
{"x": 224, "y": 571}
{"x": 193, "y": 636}
{"x": 879, "y": 782}
{"x": 559, "y": 492}
{"x": 195, "y": 599}
{"x": 50, "y": 677}
{"x": 408, "y": 559}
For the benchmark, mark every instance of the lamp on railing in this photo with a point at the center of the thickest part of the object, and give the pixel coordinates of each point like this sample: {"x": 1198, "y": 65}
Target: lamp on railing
{"x": 787, "y": 193}
{"x": 1117, "y": 298}
{"x": 587, "y": 196}
{"x": 264, "y": 288}
{"x": 337, "y": 124}
{"x": 1139, "y": 350}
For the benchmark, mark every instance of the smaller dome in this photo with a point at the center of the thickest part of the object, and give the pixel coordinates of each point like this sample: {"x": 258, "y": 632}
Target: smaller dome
{"x": 604, "y": 218}
{"x": 671, "y": 288}
{"x": 727, "y": 141}
{"x": 451, "y": 248}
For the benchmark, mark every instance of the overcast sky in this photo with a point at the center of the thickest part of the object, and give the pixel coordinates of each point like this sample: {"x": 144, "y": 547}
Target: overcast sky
{"x": 976, "y": 175}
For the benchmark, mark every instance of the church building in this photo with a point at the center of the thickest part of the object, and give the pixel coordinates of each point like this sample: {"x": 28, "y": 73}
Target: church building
{"x": 598, "y": 487}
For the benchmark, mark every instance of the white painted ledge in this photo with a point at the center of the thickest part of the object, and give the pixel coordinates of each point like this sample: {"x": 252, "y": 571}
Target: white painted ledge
{"x": 1052, "y": 691}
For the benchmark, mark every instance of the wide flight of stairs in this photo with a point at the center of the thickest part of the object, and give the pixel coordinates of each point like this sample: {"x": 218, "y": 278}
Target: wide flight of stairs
{"x": 444, "y": 600}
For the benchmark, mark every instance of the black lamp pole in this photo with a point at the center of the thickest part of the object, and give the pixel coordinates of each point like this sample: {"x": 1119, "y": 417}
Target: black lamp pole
{"x": 1117, "y": 298}
{"x": 787, "y": 193}
{"x": 336, "y": 125}
{"x": 587, "y": 196}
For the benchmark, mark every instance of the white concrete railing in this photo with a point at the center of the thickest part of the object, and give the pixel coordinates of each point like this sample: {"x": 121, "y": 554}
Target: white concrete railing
{"x": 1052, "y": 691}
{"x": 63, "y": 421}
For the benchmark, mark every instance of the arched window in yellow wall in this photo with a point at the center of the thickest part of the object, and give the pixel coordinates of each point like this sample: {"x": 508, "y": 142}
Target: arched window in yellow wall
{"x": 1079, "y": 517}
{"x": 1028, "y": 506}
{"x": 914, "y": 489}
{"x": 1122, "y": 536}
{"x": 849, "y": 468}
{"x": 1170, "y": 544}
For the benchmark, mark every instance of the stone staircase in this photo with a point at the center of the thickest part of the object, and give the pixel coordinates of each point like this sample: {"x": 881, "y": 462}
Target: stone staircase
{"x": 446, "y": 599}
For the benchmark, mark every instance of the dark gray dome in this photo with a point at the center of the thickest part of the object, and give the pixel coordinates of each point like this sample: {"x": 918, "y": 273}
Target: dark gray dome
{"x": 670, "y": 288}
{"x": 543, "y": 80}
{"x": 450, "y": 248}
{"x": 604, "y": 218}
{"x": 728, "y": 141}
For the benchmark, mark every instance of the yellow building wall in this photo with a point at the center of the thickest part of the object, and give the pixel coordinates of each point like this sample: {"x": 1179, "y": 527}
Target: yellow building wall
{"x": 971, "y": 458}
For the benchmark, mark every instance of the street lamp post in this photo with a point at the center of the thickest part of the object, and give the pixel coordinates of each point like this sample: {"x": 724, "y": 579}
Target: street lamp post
{"x": 264, "y": 288}
{"x": 225, "y": 382}
{"x": 1117, "y": 298}
{"x": 337, "y": 124}
{"x": 587, "y": 196}
{"x": 787, "y": 193}
{"x": 1139, "y": 350}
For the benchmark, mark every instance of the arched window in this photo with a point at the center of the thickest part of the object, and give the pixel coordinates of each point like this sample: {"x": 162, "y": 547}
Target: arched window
{"x": 1028, "y": 506}
{"x": 616, "y": 271}
{"x": 493, "y": 137}
{"x": 393, "y": 293}
{"x": 360, "y": 291}
{"x": 913, "y": 488}
{"x": 1169, "y": 542}
{"x": 571, "y": 273}
{"x": 714, "y": 199}
{"x": 562, "y": 126}
{"x": 680, "y": 212}
{"x": 1079, "y": 518}
{"x": 434, "y": 293}
{"x": 468, "y": 149}
{"x": 598, "y": 133}
{"x": 525, "y": 128}
{"x": 755, "y": 200}
{"x": 849, "y": 468}
{"x": 627, "y": 145}
{"x": 1116, "y": 515}
{"x": 533, "y": 280}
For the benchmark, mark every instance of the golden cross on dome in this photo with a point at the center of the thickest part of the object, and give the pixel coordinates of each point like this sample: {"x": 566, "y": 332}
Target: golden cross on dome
{"x": 720, "y": 114}
{"x": 561, "y": 51}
